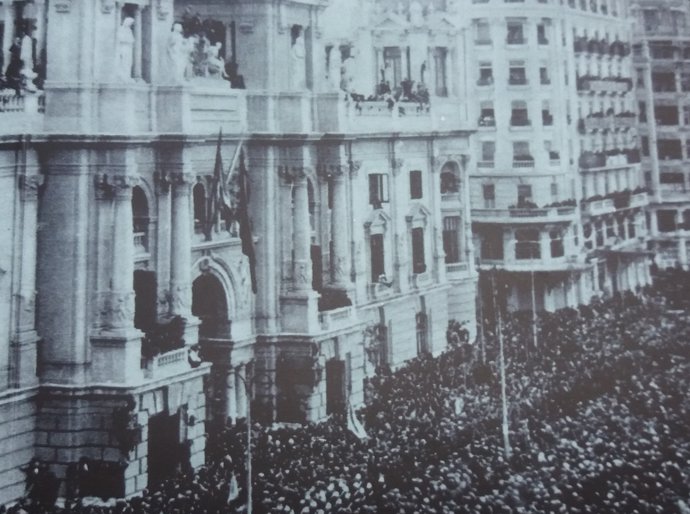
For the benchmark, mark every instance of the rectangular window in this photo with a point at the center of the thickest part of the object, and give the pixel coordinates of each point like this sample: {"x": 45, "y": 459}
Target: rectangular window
{"x": 669, "y": 149}
{"x": 487, "y": 117}
{"x": 527, "y": 244}
{"x": 666, "y": 114}
{"x": 488, "y": 151}
{"x": 482, "y": 32}
{"x": 392, "y": 62}
{"x": 557, "y": 249}
{"x": 664, "y": 82}
{"x": 516, "y": 33}
{"x": 546, "y": 116}
{"x": 544, "y": 75}
{"x": 492, "y": 244}
{"x": 519, "y": 116}
{"x": 415, "y": 184}
{"x": 642, "y": 114}
{"x": 486, "y": 74}
{"x": 451, "y": 238}
{"x": 378, "y": 189}
{"x": 377, "y": 257}
{"x": 418, "y": 262}
{"x": 524, "y": 192}
{"x": 521, "y": 151}
{"x": 541, "y": 34}
{"x": 554, "y": 190}
{"x": 517, "y": 74}
{"x": 489, "y": 192}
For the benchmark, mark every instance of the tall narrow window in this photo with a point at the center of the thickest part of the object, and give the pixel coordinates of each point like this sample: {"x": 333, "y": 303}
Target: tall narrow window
{"x": 199, "y": 197}
{"x": 416, "y": 184}
{"x": 489, "y": 192}
{"x": 418, "y": 262}
{"x": 451, "y": 238}
{"x": 378, "y": 189}
{"x": 377, "y": 257}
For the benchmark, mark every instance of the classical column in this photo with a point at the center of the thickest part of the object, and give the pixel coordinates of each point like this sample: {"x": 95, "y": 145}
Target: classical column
{"x": 181, "y": 246}
{"x": 301, "y": 232}
{"x": 299, "y": 307}
{"x": 122, "y": 293}
{"x": 339, "y": 228}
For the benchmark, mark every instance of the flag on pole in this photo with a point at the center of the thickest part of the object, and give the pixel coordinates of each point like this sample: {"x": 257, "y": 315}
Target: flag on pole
{"x": 354, "y": 425}
{"x": 233, "y": 490}
{"x": 243, "y": 218}
{"x": 218, "y": 198}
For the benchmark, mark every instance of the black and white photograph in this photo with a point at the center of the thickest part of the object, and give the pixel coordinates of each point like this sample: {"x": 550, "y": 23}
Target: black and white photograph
{"x": 344, "y": 256}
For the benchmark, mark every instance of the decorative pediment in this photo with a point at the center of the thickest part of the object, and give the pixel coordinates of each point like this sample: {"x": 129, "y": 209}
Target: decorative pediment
{"x": 377, "y": 222}
{"x": 391, "y": 21}
{"x": 418, "y": 214}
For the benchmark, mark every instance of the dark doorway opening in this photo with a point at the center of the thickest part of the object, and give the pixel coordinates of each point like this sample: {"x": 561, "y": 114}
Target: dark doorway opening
{"x": 336, "y": 391}
{"x": 164, "y": 448}
{"x": 145, "y": 301}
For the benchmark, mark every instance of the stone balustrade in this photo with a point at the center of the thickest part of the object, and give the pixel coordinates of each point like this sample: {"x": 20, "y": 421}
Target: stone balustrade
{"x": 524, "y": 215}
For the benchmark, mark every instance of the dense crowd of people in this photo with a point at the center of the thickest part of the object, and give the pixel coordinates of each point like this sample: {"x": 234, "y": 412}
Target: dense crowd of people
{"x": 598, "y": 418}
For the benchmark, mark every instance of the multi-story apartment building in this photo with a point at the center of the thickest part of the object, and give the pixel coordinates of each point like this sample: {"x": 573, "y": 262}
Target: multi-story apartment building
{"x": 662, "y": 63}
{"x": 556, "y": 193}
{"x": 132, "y": 243}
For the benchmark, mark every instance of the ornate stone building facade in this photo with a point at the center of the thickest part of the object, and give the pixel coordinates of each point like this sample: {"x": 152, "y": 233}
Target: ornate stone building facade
{"x": 130, "y": 253}
{"x": 557, "y": 193}
{"x": 662, "y": 62}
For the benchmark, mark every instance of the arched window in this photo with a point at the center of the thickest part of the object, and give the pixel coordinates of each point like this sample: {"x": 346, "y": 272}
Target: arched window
{"x": 450, "y": 179}
{"x": 199, "y": 195}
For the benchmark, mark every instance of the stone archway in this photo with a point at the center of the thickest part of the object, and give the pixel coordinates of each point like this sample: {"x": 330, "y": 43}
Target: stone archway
{"x": 210, "y": 305}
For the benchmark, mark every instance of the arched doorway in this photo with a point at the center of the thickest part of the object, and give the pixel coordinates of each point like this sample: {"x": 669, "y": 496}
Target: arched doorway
{"x": 210, "y": 305}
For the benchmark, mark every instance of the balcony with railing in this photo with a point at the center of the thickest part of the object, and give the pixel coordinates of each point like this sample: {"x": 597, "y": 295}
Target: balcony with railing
{"x": 141, "y": 250}
{"x": 338, "y": 318}
{"x": 609, "y": 85}
{"x": 335, "y": 112}
{"x": 521, "y": 215}
{"x": 21, "y": 112}
{"x": 616, "y": 201}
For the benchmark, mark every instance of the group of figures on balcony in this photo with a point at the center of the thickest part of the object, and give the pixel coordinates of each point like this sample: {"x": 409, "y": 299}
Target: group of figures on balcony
{"x": 24, "y": 72}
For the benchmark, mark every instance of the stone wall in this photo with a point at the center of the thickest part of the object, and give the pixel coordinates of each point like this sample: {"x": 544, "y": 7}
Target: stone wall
{"x": 17, "y": 411}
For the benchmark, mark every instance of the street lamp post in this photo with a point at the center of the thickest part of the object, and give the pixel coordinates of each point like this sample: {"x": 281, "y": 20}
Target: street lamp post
{"x": 534, "y": 302}
{"x": 247, "y": 381}
{"x": 502, "y": 367}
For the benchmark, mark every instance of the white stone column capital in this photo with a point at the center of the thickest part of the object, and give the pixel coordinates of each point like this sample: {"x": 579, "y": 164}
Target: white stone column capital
{"x": 294, "y": 173}
{"x": 29, "y": 186}
{"x": 111, "y": 186}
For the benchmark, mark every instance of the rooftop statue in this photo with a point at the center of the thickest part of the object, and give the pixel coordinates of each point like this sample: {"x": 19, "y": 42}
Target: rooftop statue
{"x": 297, "y": 60}
{"x": 416, "y": 14}
{"x": 125, "y": 50}
{"x": 178, "y": 53}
